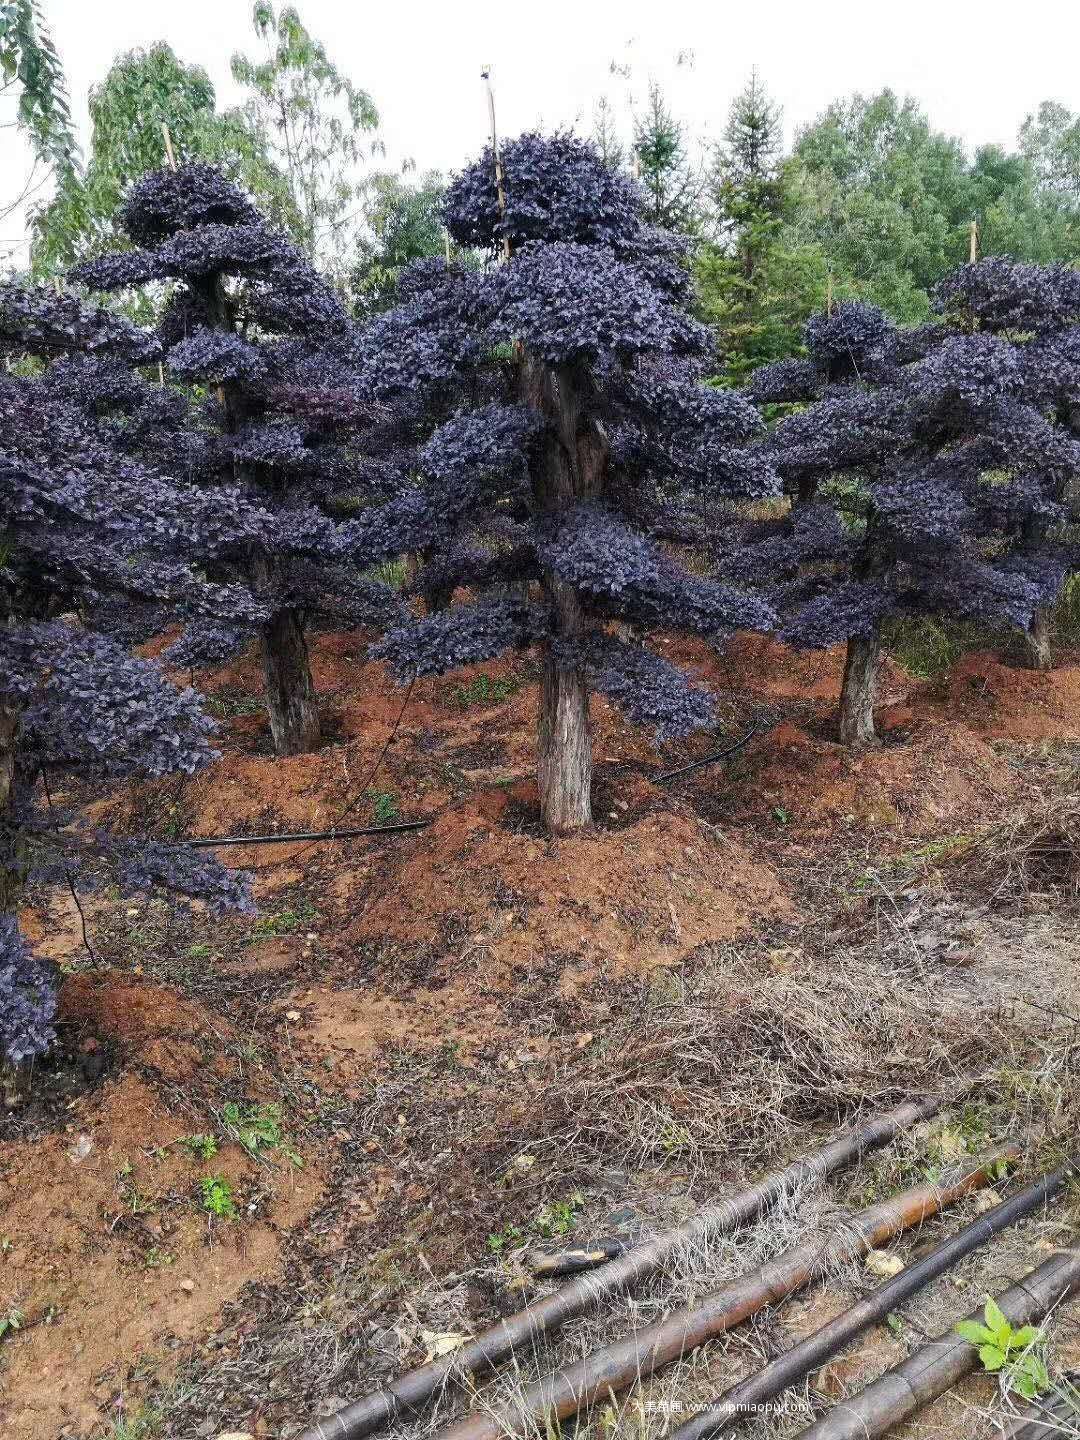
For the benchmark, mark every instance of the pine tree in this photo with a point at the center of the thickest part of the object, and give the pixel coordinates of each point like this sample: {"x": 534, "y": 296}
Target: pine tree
{"x": 670, "y": 187}
{"x": 579, "y": 414}
{"x": 757, "y": 289}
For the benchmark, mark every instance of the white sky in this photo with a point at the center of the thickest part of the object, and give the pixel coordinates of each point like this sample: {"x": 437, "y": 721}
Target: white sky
{"x": 978, "y": 68}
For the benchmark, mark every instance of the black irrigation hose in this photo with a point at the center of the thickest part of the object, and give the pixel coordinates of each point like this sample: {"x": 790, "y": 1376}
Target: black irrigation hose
{"x": 209, "y": 842}
{"x": 709, "y": 759}
{"x": 724, "y": 1414}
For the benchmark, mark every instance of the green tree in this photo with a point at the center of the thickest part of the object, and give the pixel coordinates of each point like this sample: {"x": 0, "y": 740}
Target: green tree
{"x": 755, "y": 288}
{"x": 32, "y": 80}
{"x": 404, "y": 223}
{"x": 605, "y": 135}
{"x": 886, "y": 198}
{"x": 1050, "y": 141}
{"x": 672, "y": 189}
{"x": 313, "y": 118}
{"x": 143, "y": 91}
{"x": 890, "y": 200}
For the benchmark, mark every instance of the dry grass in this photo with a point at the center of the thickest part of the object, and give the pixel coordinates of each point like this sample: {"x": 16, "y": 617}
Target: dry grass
{"x": 1031, "y": 853}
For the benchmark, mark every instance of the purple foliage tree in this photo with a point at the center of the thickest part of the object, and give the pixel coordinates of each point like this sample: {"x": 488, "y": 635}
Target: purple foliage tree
{"x": 263, "y": 345}
{"x": 88, "y": 531}
{"x": 569, "y": 418}
{"x": 927, "y": 474}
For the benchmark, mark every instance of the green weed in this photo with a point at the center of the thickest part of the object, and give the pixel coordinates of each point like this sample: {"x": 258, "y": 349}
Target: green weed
{"x": 1018, "y": 1354}
{"x": 484, "y": 690}
{"x": 217, "y": 1197}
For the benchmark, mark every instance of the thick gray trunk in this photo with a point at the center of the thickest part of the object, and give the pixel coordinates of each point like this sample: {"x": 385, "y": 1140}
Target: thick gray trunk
{"x": 290, "y": 690}
{"x": 859, "y": 690}
{"x": 568, "y": 471}
{"x": 564, "y": 738}
{"x": 1034, "y": 648}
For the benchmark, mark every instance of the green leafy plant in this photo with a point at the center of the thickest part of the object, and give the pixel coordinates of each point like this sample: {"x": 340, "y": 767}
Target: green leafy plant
{"x": 217, "y": 1197}
{"x": 203, "y": 1146}
{"x": 1015, "y": 1353}
{"x": 284, "y": 922}
{"x": 384, "y": 807}
{"x": 509, "y": 1235}
{"x": 484, "y": 690}
{"x": 560, "y": 1216}
{"x": 10, "y": 1322}
{"x": 256, "y": 1128}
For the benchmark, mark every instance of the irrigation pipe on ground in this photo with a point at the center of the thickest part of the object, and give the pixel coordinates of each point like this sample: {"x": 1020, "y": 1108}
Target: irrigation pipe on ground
{"x": 724, "y": 1414}
{"x": 936, "y": 1367}
{"x": 623, "y": 1363}
{"x": 412, "y": 1391}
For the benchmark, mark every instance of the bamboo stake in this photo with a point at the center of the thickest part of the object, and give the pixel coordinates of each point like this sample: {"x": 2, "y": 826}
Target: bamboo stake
{"x": 723, "y": 1415}
{"x": 937, "y": 1366}
{"x": 168, "y": 146}
{"x": 615, "y": 1367}
{"x": 411, "y": 1391}
{"x": 973, "y": 242}
{"x": 486, "y": 77}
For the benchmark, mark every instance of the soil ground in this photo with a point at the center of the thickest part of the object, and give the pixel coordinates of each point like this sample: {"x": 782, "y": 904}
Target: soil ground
{"x": 429, "y": 1052}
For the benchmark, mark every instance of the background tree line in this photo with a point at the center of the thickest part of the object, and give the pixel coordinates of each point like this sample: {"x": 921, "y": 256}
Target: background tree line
{"x": 869, "y": 202}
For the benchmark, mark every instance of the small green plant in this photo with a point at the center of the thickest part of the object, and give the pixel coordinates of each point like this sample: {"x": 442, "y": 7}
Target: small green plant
{"x": 780, "y": 815}
{"x": 217, "y": 1197}
{"x": 256, "y": 1128}
{"x": 199, "y": 952}
{"x": 508, "y": 1236}
{"x": 1016, "y": 1354}
{"x": 204, "y": 1147}
{"x": 143, "y": 1426}
{"x": 10, "y": 1322}
{"x": 156, "y": 1258}
{"x": 296, "y": 917}
{"x": 484, "y": 690}
{"x": 560, "y": 1216}
{"x": 384, "y": 807}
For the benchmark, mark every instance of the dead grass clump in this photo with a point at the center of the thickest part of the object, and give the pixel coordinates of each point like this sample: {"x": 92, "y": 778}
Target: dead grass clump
{"x": 733, "y": 1074}
{"x": 1029, "y": 853}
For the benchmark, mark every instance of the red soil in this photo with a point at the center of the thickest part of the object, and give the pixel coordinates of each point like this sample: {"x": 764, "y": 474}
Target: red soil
{"x": 449, "y": 930}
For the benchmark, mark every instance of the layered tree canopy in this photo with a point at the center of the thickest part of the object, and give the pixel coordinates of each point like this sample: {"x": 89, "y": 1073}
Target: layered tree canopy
{"x": 570, "y": 429}
{"x": 91, "y": 532}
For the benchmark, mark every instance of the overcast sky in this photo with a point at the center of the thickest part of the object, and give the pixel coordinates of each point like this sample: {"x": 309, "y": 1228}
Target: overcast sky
{"x": 977, "y": 68}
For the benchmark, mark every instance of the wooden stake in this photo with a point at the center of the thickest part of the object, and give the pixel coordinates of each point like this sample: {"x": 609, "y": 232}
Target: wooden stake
{"x": 828, "y": 297}
{"x": 446, "y": 246}
{"x": 168, "y": 146}
{"x": 486, "y": 76}
{"x": 973, "y": 246}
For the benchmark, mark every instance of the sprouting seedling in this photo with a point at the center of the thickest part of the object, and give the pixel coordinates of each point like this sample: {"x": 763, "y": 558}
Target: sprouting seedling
{"x": 1016, "y": 1353}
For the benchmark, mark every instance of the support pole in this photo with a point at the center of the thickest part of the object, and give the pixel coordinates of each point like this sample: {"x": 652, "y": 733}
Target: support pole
{"x": 499, "y": 186}
{"x": 936, "y": 1367}
{"x": 406, "y": 1397}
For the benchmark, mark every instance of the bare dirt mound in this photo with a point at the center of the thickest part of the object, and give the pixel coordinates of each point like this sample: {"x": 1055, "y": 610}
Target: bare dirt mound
{"x": 931, "y": 778}
{"x": 110, "y": 1257}
{"x": 1004, "y": 702}
{"x": 608, "y": 903}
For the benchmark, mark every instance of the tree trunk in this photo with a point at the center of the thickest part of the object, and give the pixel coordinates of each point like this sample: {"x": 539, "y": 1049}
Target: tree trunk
{"x": 12, "y": 848}
{"x": 290, "y": 690}
{"x": 564, "y": 737}
{"x": 569, "y": 470}
{"x": 859, "y": 690}
{"x": 1034, "y": 648}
